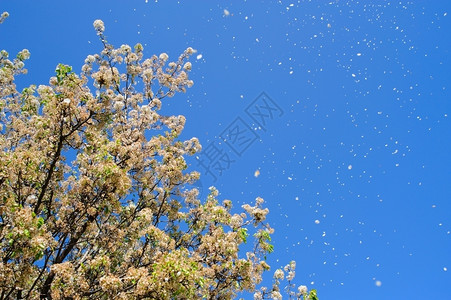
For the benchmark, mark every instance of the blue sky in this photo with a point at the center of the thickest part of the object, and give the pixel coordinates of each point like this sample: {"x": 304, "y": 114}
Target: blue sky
{"x": 353, "y": 142}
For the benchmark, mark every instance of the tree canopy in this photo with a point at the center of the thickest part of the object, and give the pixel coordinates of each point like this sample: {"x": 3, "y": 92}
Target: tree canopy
{"x": 93, "y": 198}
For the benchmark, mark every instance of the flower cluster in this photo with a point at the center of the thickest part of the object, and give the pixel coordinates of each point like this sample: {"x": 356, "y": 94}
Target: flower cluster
{"x": 99, "y": 26}
{"x": 279, "y": 275}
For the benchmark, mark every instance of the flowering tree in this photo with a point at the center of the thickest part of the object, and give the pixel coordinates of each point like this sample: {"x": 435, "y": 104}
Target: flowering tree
{"x": 92, "y": 197}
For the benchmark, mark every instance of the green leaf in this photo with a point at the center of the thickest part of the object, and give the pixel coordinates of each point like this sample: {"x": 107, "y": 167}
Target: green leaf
{"x": 312, "y": 295}
{"x": 269, "y": 248}
{"x": 62, "y": 71}
{"x": 266, "y": 236}
{"x": 40, "y": 222}
{"x": 243, "y": 234}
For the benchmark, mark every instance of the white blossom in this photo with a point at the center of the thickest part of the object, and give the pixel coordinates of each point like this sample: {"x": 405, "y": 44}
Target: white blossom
{"x": 190, "y": 51}
{"x": 258, "y": 295}
{"x": 187, "y": 66}
{"x": 291, "y": 275}
{"x": 278, "y": 274}
{"x": 90, "y": 59}
{"x": 276, "y": 295}
{"x": 118, "y": 105}
{"x": 25, "y": 54}
{"x": 302, "y": 289}
{"x": 99, "y": 26}
{"x": 164, "y": 57}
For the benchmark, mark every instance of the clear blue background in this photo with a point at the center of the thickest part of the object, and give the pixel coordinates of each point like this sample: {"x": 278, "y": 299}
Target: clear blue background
{"x": 355, "y": 172}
